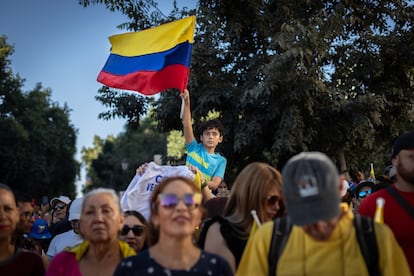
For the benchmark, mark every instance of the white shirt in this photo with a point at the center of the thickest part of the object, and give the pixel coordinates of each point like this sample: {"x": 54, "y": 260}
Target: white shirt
{"x": 137, "y": 195}
{"x": 61, "y": 241}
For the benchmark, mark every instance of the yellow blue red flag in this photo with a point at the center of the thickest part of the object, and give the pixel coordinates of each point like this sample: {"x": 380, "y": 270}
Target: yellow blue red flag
{"x": 152, "y": 60}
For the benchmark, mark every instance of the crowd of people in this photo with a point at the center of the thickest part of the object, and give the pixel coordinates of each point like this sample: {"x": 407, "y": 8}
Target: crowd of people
{"x": 307, "y": 219}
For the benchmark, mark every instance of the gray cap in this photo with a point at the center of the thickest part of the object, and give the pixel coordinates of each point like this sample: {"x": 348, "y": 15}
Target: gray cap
{"x": 311, "y": 188}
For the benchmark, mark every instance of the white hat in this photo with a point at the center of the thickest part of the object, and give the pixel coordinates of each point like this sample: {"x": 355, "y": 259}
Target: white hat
{"x": 61, "y": 198}
{"x": 75, "y": 209}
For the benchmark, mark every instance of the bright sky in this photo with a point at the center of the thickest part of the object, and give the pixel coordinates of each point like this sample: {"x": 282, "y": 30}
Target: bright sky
{"x": 63, "y": 46}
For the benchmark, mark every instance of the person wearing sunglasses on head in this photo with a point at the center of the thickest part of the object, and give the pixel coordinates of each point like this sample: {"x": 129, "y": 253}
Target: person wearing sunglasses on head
{"x": 175, "y": 214}
{"x": 361, "y": 191}
{"x": 257, "y": 187}
{"x": 134, "y": 230}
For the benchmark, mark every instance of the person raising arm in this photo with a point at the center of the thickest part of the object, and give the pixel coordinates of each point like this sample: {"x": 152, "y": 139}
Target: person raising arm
{"x": 203, "y": 155}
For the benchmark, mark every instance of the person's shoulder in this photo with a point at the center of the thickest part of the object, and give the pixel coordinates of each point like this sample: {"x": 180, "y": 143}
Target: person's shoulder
{"x": 372, "y": 198}
{"x": 27, "y": 254}
{"x": 60, "y": 236}
{"x": 136, "y": 259}
{"x": 132, "y": 263}
{"x": 208, "y": 256}
{"x": 194, "y": 143}
{"x": 383, "y": 231}
{"x": 220, "y": 156}
{"x": 369, "y": 204}
{"x": 213, "y": 225}
{"x": 26, "y": 260}
{"x": 214, "y": 219}
{"x": 63, "y": 255}
{"x": 215, "y": 262}
{"x": 209, "y": 226}
{"x": 266, "y": 229}
{"x": 28, "y": 257}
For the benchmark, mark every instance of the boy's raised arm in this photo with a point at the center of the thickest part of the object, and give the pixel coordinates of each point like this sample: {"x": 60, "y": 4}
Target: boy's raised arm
{"x": 186, "y": 119}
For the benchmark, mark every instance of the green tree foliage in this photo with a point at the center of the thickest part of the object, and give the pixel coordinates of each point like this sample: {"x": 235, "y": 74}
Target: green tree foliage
{"x": 289, "y": 76}
{"x": 37, "y": 140}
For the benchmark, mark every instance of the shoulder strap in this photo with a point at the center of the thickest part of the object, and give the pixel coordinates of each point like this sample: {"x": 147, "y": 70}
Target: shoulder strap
{"x": 280, "y": 235}
{"x": 396, "y": 195}
{"x": 364, "y": 228}
{"x": 205, "y": 225}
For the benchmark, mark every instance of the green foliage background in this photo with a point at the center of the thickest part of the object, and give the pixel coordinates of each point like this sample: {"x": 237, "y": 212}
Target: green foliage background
{"x": 283, "y": 76}
{"x": 289, "y": 76}
{"x": 37, "y": 140}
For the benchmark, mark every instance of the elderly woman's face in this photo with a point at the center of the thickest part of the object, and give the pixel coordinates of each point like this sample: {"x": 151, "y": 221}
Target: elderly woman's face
{"x": 101, "y": 219}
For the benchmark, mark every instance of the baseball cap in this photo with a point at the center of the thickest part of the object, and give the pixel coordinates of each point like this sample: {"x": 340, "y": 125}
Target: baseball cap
{"x": 61, "y": 198}
{"x": 75, "y": 209}
{"x": 311, "y": 188}
{"x": 40, "y": 230}
{"x": 403, "y": 142}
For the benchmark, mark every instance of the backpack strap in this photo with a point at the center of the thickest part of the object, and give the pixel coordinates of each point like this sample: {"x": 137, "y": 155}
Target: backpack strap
{"x": 280, "y": 235}
{"x": 365, "y": 233}
{"x": 404, "y": 203}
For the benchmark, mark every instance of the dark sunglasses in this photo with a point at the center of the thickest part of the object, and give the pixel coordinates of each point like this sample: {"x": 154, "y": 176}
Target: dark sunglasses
{"x": 170, "y": 201}
{"x": 364, "y": 194}
{"x": 271, "y": 200}
{"x": 138, "y": 230}
{"x": 60, "y": 207}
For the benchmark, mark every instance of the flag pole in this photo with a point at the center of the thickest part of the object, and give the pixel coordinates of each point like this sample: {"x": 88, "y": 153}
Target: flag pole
{"x": 182, "y": 108}
{"x": 256, "y": 218}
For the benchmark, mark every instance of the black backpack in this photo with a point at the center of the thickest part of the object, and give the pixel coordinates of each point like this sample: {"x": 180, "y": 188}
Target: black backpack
{"x": 364, "y": 227}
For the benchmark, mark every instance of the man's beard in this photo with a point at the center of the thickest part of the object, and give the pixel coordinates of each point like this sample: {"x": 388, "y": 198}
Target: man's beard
{"x": 406, "y": 175}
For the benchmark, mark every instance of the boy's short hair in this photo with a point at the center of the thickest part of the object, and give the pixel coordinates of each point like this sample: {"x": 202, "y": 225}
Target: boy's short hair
{"x": 210, "y": 124}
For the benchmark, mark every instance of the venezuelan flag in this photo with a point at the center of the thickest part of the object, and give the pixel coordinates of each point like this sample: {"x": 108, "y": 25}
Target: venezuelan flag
{"x": 152, "y": 60}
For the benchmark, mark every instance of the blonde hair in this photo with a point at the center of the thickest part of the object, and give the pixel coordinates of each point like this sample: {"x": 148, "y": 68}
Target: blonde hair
{"x": 249, "y": 192}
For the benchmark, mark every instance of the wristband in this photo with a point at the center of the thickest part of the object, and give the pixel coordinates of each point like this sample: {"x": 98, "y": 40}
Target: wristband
{"x": 203, "y": 185}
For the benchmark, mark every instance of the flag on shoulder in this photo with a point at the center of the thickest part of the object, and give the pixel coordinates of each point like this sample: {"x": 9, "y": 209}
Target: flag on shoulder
{"x": 152, "y": 60}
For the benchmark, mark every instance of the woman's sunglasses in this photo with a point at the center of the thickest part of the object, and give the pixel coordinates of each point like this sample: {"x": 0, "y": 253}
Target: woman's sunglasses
{"x": 271, "y": 200}
{"x": 364, "y": 194}
{"x": 170, "y": 201}
{"x": 138, "y": 230}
